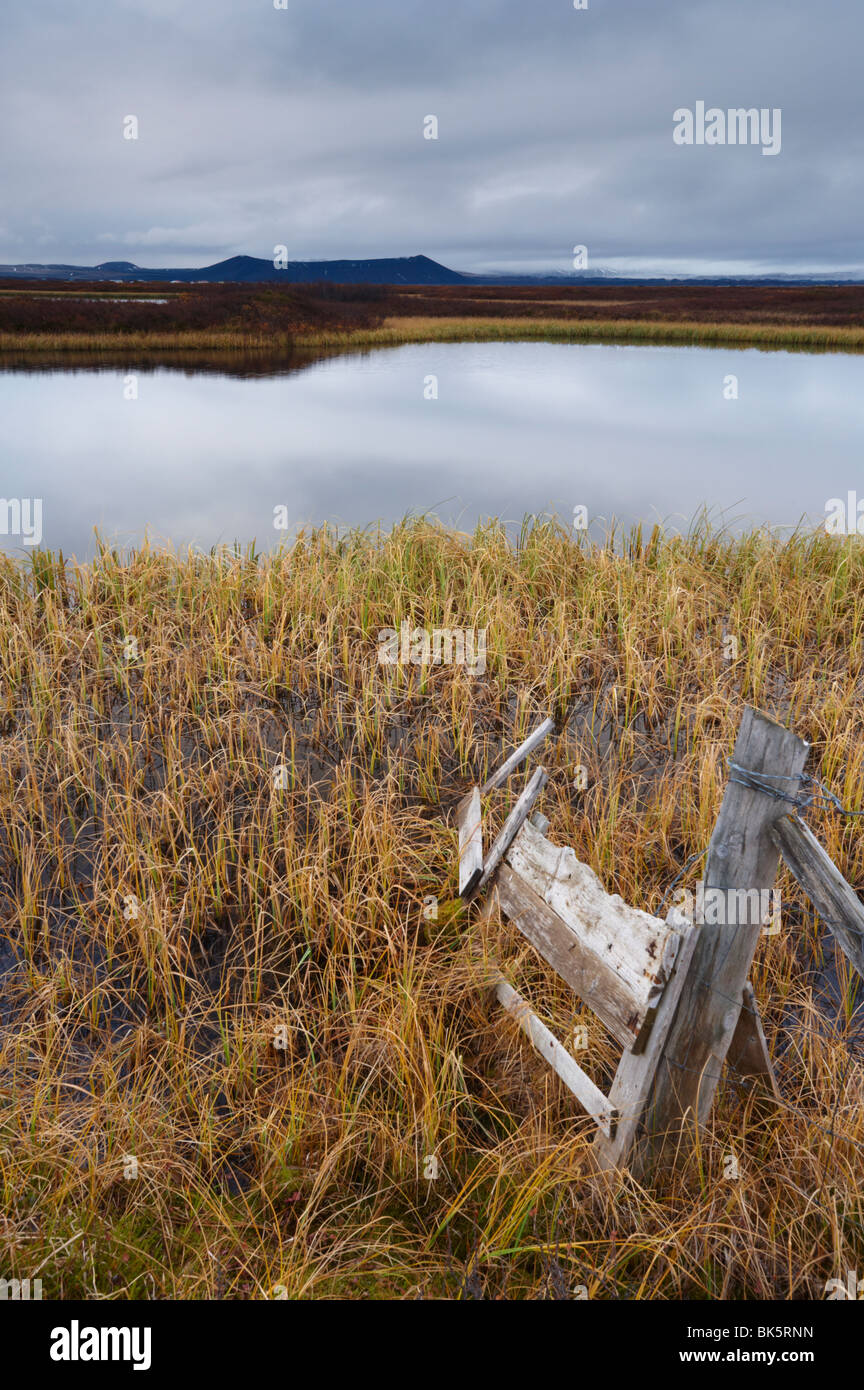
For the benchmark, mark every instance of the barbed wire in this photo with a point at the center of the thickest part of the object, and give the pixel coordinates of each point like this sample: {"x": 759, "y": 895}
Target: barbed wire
{"x": 819, "y": 796}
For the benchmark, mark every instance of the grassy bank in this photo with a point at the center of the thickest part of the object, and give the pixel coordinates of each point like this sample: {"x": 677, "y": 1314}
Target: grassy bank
{"x": 394, "y": 332}
{"x": 232, "y": 1031}
{"x": 268, "y": 319}
{"x": 486, "y": 330}
{"x": 151, "y": 341}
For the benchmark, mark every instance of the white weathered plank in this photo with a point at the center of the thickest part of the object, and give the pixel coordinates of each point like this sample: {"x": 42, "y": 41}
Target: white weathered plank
{"x": 511, "y": 763}
{"x": 833, "y": 898}
{"x": 588, "y": 975}
{"x": 637, "y": 948}
{"x": 590, "y": 1097}
{"x": 741, "y": 856}
{"x": 636, "y": 1076}
{"x": 512, "y": 825}
{"x": 469, "y": 821}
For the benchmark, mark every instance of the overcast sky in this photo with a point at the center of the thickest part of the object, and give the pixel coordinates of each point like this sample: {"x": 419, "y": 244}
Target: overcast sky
{"x": 260, "y": 127}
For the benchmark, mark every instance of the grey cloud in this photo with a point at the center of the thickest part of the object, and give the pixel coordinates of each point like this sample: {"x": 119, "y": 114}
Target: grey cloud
{"x": 304, "y": 127}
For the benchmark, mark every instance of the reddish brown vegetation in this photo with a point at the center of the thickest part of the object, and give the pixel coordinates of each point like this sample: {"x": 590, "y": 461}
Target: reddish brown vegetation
{"x": 817, "y": 305}
{"x": 40, "y": 306}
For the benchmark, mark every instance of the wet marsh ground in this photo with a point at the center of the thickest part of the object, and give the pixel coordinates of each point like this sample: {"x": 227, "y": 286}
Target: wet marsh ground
{"x": 233, "y": 1032}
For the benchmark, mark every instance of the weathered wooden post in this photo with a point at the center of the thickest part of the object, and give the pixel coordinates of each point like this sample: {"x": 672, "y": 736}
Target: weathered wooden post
{"x": 837, "y": 904}
{"x": 675, "y": 994}
{"x": 742, "y": 857}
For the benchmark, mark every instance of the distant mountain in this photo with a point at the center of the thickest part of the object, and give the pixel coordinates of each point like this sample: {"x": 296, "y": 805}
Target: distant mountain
{"x": 398, "y": 270}
{"x": 395, "y": 270}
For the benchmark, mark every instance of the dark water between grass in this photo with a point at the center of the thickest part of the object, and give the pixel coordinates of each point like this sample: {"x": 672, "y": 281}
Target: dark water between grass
{"x": 634, "y": 433}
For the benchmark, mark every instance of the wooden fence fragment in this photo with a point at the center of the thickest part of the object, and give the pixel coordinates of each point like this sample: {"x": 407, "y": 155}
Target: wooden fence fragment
{"x": 836, "y": 902}
{"x": 634, "y": 1080}
{"x": 590, "y": 1097}
{"x": 748, "y": 1053}
{"x": 742, "y": 856}
{"x": 675, "y": 994}
{"x": 510, "y": 764}
{"x": 611, "y": 941}
{"x": 512, "y": 825}
{"x": 469, "y": 821}
{"x": 588, "y": 975}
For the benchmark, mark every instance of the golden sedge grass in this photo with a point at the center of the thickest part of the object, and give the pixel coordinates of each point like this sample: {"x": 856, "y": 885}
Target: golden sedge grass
{"x": 461, "y": 330}
{"x": 403, "y": 330}
{"x": 242, "y": 1012}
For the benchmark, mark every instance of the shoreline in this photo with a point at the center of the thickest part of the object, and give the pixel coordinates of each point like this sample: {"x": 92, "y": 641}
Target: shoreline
{"x": 402, "y": 331}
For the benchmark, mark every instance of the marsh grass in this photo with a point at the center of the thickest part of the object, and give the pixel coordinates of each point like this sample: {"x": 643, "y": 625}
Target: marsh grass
{"x": 571, "y": 330}
{"x": 398, "y": 331}
{"x": 272, "y": 318}
{"x": 169, "y": 916}
{"x": 147, "y": 340}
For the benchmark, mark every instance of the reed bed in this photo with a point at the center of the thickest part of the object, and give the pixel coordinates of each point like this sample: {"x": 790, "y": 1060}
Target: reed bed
{"x": 147, "y": 340}
{"x": 394, "y": 332}
{"x": 241, "y": 1009}
{"x": 38, "y": 319}
{"x": 418, "y": 329}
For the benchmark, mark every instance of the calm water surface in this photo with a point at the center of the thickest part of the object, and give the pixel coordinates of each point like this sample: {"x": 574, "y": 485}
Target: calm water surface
{"x": 628, "y": 432}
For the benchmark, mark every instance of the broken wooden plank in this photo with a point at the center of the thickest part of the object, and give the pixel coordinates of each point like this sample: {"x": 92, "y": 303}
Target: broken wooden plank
{"x": 741, "y": 855}
{"x": 512, "y": 825}
{"x": 590, "y": 1097}
{"x": 636, "y": 949}
{"x": 748, "y": 1053}
{"x": 511, "y": 763}
{"x": 833, "y": 898}
{"x": 470, "y": 825}
{"x": 635, "y": 1078}
{"x": 589, "y": 976}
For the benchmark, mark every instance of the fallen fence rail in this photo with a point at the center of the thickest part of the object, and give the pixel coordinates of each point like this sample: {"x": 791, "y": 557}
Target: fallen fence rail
{"x": 675, "y": 993}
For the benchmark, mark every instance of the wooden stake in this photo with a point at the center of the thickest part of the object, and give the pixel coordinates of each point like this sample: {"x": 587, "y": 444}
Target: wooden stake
{"x": 512, "y": 825}
{"x": 836, "y": 902}
{"x": 590, "y": 1097}
{"x": 470, "y": 823}
{"x": 748, "y": 1053}
{"x": 741, "y": 856}
{"x": 634, "y": 1079}
{"x": 516, "y": 758}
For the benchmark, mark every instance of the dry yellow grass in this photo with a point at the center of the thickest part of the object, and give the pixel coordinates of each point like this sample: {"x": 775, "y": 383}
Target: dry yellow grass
{"x": 459, "y": 330}
{"x": 418, "y": 329}
{"x": 200, "y": 340}
{"x": 170, "y": 916}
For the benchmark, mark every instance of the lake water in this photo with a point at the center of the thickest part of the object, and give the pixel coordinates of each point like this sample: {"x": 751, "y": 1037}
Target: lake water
{"x": 102, "y": 298}
{"x": 627, "y": 432}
